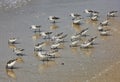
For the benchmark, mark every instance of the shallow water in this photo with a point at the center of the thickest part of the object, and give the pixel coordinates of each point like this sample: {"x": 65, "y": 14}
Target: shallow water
{"x": 83, "y": 65}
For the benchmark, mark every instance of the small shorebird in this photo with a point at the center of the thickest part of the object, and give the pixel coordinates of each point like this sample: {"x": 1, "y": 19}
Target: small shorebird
{"x": 12, "y": 40}
{"x": 76, "y": 21}
{"x": 75, "y": 37}
{"x": 74, "y": 43}
{"x": 52, "y": 53}
{"x": 11, "y": 63}
{"x": 53, "y": 18}
{"x": 85, "y": 44}
{"x": 111, "y": 13}
{"x": 95, "y": 13}
{"x": 91, "y": 12}
{"x": 46, "y": 35}
{"x": 104, "y": 23}
{"x": 92, "y": 39}
{"x": 35, "y": 28}
{"x": 94, "y": 18}
{"x": 43, "y": 55}
{"x": 75, "y": 16}
{"x": 83, "y": 32}
{"x": 18, "y": 51}
{"x": 59, "y": 40}
{"x": 88, "y": 11}
{"x": 100, "y": 28}
{"x": 55, "y": 46}
{"x": 38, "y": 47}
{"x": 57, "y": 36}
{"x": 104, "y": 32}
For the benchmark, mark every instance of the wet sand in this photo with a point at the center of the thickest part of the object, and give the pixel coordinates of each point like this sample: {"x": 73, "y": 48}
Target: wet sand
{"x": 98, "y": 64}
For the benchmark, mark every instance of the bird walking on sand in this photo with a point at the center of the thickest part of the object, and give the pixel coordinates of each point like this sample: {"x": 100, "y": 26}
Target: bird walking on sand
{"x": 11, "y": 63}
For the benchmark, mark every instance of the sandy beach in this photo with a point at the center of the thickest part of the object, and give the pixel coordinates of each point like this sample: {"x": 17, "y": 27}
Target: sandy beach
{"x": 73, "y": 64}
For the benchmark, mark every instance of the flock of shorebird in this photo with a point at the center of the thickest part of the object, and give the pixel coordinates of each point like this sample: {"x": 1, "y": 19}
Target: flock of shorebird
{"x": 58, "y": 39}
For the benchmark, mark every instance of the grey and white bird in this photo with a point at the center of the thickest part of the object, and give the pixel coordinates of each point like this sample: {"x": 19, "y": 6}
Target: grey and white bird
{"x": 38, "y": 47}
{"x": 18, "y": 51}
{"x": 10, "y": 64}
{"x": 104, "y": 23}
{"x": 12, "y": 40}
{"x": 104, "y": 32}
{"x": 45, "y": 35}
{"x": 43, "y": 55}
{"x": 76, "y": 21}
{"x": 75, "y": 16}
{"x": 53, "y": 18}
{"x": 94, "y": 18}
{"x": 55, "y": 46}
{"x": 83, "y": 32}
{"x": 74, "y": 43}
{"x": 35, "y": 28}
{"x": 100, "y": 28}
{"x": 112, "y": 13}
{"x": 85, "y": 45}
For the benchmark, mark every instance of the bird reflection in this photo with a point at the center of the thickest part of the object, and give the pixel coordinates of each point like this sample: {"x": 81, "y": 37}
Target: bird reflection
{"x": 76, "y": 27}
{"x": 46, "y": 65}
{"x": 74, "y": 50}
{"x": 36, "y": 36}
{"x": 11, "y": 73}
{"x": 12, "y": 46}
{"x": 89, "y": 21}
{"x": 54, "y": 26}
{"x": 104, "y": 37}
{"x": 87, "y": 52}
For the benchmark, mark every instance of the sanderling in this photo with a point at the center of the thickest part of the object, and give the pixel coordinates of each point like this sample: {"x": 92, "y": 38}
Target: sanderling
{"x": 38, "y": 47}
{"x": 52, "y": 53}
{"x": 95, "y": 13}
{"x": 35, "y": 28}
{"x": 85, "y": 44}
{"x": 92, "y": 39}
{"x": 74, "y": 43}
{"x": 76, "y": 21}
{"x": 104, "y": 23}
{"x": 18, "y": 51}
{"x": 75, "y": 16}
{"x": 43, "y": 55}
{"x": 104, "y": 32}
{"x": 53, "y": 18}
{"x": 46, "y": 35}
{"x": 55, "y": 46}
{"x": 94, "y": 18}
{"x": 12, "y": 40}
{"x": 75, "y": 37}
{"x": 112, "y": 13}
{"x": 100, "y": 28}
{"x": 83, "y": 32}
{"x": 91, "y": 12}
{"x": 12, "y": 62}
